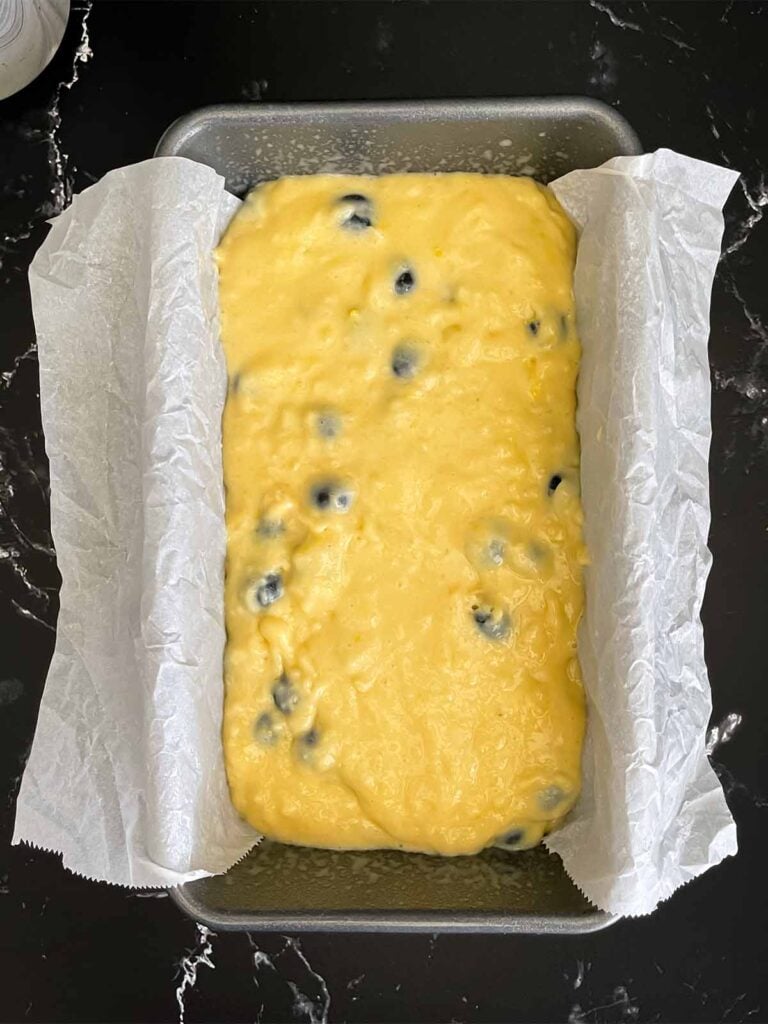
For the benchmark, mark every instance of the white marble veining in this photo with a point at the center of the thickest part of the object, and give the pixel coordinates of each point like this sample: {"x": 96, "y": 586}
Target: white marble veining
{"x": 735, "y": 788}
{"x": 8, "y": 376}
{"x": 311, "y": 999}
{"x": 61, "y": 186}
{"x": 756, "y": 198}
{"x": 619, "y": 1006}
{"x": 316, "y": 1008}
{"x": 613, "y": 17}
{"x": 578, "y": 980}
{"x": 726, "y": 12}
{"x": 201, "y": 955}
{"x": 60, "y": 167}
{"x": 748, "y": 378}
{"x": 33, "y": 602}
{"x": 673, "y": 34}
{"x": 353, "y": 985}
{"x": 757, "y": 327}
{"x": 659, "y": 25}
{"x": 723, "y": 731}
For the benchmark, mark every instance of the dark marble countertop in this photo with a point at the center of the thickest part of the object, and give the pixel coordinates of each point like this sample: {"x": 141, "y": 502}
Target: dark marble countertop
{"x": 690, "y": 76}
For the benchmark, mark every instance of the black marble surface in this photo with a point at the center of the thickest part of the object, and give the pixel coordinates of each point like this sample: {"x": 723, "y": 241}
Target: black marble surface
{"x": 690, "y": 76}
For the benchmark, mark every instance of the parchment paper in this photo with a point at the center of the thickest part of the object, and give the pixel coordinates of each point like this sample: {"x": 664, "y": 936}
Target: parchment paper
{"x": 652, "y": 814}
{"x": 126, "y": 775}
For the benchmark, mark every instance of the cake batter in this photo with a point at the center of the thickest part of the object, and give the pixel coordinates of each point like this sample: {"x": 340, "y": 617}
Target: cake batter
{"x": 404, "y": 526}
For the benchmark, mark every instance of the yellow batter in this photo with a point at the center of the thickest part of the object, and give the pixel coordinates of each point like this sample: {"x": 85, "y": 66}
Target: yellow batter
{"x": 404, "y": 554}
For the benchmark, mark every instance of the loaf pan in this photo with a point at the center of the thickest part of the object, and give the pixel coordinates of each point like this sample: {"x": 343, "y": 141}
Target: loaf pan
{"x": 286, "y": 888}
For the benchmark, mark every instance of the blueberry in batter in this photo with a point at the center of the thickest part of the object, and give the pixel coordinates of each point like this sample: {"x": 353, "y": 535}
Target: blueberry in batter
{"x": 328, "y": 425}
{"x": 268, "y": 589}
{"x": 285, "y": 695}
{"x": 307, "y": 744}
{"x": 264, "y": 730}
{"x": 405, "y": 361}
{"x": 270, "y": 528}
{"x": 331, "y": 496}
{"x": 514, "y": 839}
{"x": 493, "y": 623}
{"x": 359, "y": 212}
{"x": 551, "y": 798}
{"x": 496, "y": 549}
{"x": 405, "y": 282}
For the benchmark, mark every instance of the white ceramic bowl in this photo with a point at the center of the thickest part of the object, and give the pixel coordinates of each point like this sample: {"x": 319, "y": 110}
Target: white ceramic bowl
{"x": 30, "y": 34}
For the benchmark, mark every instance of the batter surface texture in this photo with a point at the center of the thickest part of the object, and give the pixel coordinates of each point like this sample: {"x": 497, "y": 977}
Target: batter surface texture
{"x": 404, "y": 526}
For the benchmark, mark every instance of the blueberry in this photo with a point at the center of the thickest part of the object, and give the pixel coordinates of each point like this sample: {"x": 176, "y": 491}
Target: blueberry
{"x": 331, "y": 496}
{"x": 513, "y": 839}
{"x": 405, "y": 361}
{"x": 405, "y": 282}
{"x": 328, "y": 425}
{"x": 550, "y": 798}
{"x": 285, "y": 695}
{"x": 264, "y": 730}
{"x": 322, "y": 496}
{"x": 311, "y": 738}
{"x": 269, "y": 589}
{"x": 533, "y": 327}
{"x": 554, "y": 482}
{"x": 357, "y": 222}
{"x": 307, "y": 743}
{"x": 492, "y": 622}
{"x": 496, "y": 549}
{"x": 270, "y": 528}
{"x": 537, "y": 552}
{"x": 359, "y": 215}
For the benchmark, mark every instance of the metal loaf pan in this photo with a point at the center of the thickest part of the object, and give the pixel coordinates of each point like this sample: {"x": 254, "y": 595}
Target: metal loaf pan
{"x": 286, "y": 888}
